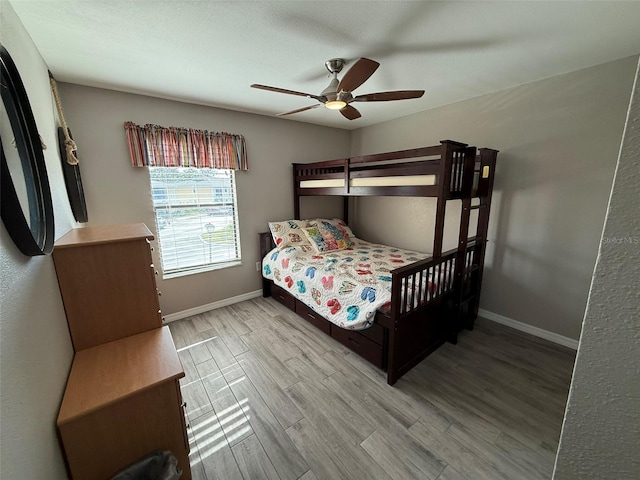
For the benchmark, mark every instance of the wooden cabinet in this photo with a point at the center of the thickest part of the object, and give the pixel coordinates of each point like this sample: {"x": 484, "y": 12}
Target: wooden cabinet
{"x": 122, "y": 399}
{"x": 121, "y": 403}
{"x": 107, "y": 281}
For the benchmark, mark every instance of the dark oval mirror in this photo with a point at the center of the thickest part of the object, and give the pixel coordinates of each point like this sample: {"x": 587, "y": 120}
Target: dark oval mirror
{"x": 25, "y": 196}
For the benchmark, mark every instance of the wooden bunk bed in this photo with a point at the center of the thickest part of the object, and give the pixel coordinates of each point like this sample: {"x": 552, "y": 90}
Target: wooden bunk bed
{"x": 418, "y": 320}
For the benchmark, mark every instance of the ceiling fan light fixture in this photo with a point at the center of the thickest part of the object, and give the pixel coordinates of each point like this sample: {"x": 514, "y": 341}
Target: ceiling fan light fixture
{"x": 335, "y": 105}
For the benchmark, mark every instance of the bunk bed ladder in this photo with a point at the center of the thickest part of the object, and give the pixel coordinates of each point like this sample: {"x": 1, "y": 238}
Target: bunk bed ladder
{"x": 474, "y": 276}
{"x": 463, "y": 187}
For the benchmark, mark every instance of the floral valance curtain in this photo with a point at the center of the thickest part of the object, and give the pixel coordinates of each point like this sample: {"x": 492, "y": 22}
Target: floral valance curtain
{"x": 156, "y": 146}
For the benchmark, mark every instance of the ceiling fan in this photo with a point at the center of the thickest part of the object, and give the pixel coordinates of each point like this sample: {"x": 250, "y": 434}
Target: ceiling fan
{"x": 337, "y": 96}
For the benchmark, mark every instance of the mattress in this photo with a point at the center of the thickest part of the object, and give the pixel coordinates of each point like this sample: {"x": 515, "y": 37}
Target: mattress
{"x": 346, "y": 287}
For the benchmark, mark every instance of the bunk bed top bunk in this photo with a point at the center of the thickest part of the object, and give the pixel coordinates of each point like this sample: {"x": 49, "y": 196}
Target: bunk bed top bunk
{"x": 435, "y": 171}
{"x": 429, "y": 295}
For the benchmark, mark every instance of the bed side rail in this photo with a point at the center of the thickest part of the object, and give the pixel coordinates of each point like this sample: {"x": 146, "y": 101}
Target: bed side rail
{"x": 421, "y": 283}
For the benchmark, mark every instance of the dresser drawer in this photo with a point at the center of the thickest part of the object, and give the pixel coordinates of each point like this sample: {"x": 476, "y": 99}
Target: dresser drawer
{"x": 282, "y": 296}
{"x": 312, "y": 317}
{"x": 360, "y": 344}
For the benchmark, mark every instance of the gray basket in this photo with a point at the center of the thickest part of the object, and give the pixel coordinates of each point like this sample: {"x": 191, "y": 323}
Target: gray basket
{"x": 161, "y": 465}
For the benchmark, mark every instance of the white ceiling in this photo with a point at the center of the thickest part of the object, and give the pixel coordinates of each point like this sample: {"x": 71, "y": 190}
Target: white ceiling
{"x": 209, "y": 52}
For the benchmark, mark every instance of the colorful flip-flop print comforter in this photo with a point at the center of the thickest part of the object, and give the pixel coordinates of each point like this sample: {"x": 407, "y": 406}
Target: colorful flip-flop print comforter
{"x": 345, "y": 286}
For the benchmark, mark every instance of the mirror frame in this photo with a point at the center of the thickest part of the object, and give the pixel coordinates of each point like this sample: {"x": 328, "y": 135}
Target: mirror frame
{"x": 73, "y": 181}
{"x": 33, "y": 236}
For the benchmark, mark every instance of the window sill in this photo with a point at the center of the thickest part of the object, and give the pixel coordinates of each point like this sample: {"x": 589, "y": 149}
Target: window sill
{"x": 204, "y": 269}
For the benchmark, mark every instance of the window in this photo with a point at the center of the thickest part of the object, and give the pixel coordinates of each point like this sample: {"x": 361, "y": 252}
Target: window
{"x": 196, "y": 218}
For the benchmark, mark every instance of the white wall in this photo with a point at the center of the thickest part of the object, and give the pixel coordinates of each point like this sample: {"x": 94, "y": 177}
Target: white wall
{"x": 35, "y": 348}
{"x": 116, "y": 192}
{"x": 558, "y": 140}
{"x": 601, "y": 432}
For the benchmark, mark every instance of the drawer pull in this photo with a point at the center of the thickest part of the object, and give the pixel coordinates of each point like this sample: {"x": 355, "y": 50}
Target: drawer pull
{"x": 312, "y": 317}
{"x": 353, "y": 341}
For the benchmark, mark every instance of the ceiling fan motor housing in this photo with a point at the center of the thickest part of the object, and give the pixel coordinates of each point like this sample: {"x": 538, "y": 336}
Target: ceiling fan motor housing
{"x": 334, "y": 65}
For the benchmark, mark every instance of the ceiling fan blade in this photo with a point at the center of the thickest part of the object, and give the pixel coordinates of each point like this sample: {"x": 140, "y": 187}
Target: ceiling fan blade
{"x": 283, "y": 90}
{"x": 299, "y": 110}
{"x": 357, "y": 74}
{"x": 350, "y": 112}
{"x": 386, "y": 96}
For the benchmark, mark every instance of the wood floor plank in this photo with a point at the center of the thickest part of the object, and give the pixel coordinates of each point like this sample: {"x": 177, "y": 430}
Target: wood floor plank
{"x": 195, "y": 397}
{"x": 276, "y": 399}
{"x": 315, "y": 451}
{"x": 450, "y": 473}
{"x": 320, "y": 406}
{"x": 233, "y": 318}
{"x": 486, "y": 417}
{"x": 512, "y": 465}
{"x": 253, "y": 461}
{"x": 403, "y": 460}
{"x": 201, "y": 324}
{"x": 405, "y": 408}
{"x": 197, "y": 468}
{"x": 222, "y": 322}
{"x": 456, "y": 454}
{"x": 308, "y": 476}
{"x": 215, "y": 454}
{"x": 229, "y": 412}
{"x": 340, "y": 435}
{"x": 276, "y": 368}
{"x": 220, "y": 353}
{"x": 281, "y": 452}
{"x": 200, "y": 353}
{"x": 540, "y": 459}
{"x": 248, "y": 315}
{"x": 456, "y": 406}
{"x": 190, "y": 372}
{"x": 309, "y": 365}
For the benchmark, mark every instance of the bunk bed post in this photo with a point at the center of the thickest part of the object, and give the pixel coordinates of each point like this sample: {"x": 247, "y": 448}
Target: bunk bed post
{"x": 444, "y": 179}
{"x": 444, "y": 190}
{"x": 345, "y": 198}
{"x": 392, "y": 331}
{"x": 345, "y": 209}
{"x": 296, "y": 196}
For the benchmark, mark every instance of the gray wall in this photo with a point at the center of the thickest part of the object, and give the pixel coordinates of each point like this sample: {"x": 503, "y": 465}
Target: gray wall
{"x": 601, "y": 433}
{"x": 35, "y": 348}
{"x": 558, "y": 140}
{"x": 116, "y": 192}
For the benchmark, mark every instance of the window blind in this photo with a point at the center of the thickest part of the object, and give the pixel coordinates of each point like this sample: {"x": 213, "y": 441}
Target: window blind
{"x": 196, "y": 218}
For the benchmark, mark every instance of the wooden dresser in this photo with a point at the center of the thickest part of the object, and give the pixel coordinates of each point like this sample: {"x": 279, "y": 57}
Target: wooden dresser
{"x": 122, "y": 399}
{"x": 107, "y": 281}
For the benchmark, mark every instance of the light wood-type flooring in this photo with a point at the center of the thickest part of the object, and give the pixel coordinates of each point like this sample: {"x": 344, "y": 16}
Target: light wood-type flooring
{"x": 270, "y": 397}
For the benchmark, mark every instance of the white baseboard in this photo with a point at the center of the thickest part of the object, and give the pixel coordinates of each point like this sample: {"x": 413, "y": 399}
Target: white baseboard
{"x": 172, "y": 317}
{"x": 523, "y": 327}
